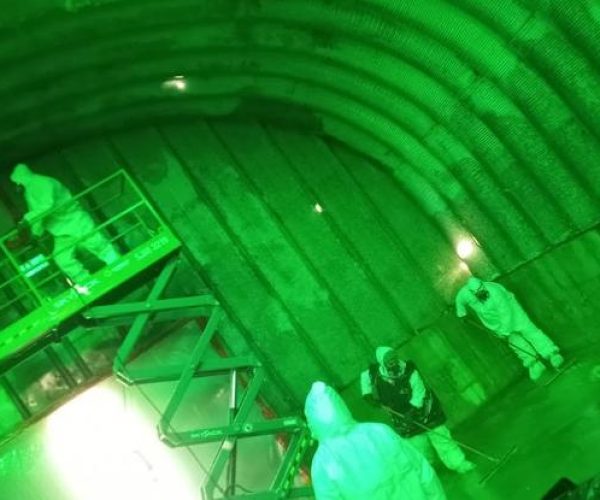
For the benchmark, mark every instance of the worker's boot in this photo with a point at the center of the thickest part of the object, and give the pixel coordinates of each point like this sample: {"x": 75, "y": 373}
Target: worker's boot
{"x": 465, "y": 467}
{"x": 556, "y": 360}
{"x": 109, "y": 255}
{"x": 78, "y": 281}
{"x": 536, "y": 370}
{"x": 81, "y": 277}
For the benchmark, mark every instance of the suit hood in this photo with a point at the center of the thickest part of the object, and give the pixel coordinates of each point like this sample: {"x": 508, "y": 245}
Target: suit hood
{"x": 473, "y": 284}
{"x": 326, "y": 412}
{"x": 22, "y": 174}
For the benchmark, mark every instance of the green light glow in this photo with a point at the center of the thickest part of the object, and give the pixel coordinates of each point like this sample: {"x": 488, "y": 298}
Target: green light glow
{"x": 101, "y": 449}
{"x": 463, "y": 266}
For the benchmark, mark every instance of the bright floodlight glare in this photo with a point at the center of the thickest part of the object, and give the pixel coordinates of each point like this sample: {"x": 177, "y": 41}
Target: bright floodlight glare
{"x": 465, "y": 248}
{"x": 102, "y": 450}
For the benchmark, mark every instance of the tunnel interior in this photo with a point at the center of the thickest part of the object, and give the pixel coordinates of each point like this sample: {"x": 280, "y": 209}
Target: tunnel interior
{"x": 335, "y": 172}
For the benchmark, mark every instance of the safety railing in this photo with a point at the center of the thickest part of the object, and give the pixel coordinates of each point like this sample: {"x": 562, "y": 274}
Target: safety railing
{"x": 34, "y": 271}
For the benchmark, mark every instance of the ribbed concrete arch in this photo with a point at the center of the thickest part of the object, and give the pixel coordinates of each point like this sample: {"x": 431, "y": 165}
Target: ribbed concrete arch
{"x": 470, "y": 118}
{"x": 484, "y": 113}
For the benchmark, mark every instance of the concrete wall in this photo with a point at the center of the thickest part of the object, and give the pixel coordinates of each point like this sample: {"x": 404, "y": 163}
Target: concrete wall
{"x": 315, "y": 292}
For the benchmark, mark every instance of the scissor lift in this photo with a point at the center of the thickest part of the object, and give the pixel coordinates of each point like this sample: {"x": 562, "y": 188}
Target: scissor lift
{"x": 39, "y": 298}
{"x": 140, "y": 315}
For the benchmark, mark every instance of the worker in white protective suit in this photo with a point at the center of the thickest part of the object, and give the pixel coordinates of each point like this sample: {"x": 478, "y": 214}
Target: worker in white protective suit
{"x": 415, "y": 410}
{"x": 500, "y": 312}
{"x": 49, "y": 210}
{"x": 363, "y": 460}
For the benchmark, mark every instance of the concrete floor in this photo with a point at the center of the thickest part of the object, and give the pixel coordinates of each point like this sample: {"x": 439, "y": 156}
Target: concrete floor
{"x": 102, "y": 444}
{"x": 556, "y": 429}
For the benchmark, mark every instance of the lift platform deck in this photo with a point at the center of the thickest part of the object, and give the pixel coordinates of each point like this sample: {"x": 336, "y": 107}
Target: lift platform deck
{"x": 36, "y": 296}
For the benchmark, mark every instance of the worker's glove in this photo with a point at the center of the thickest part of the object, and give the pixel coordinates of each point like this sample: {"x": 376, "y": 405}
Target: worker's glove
{"x": 37, "y": 230}
{"x": 414, "y": 414}
{"x": 370, "y": 399}
{"x": 24, "y": 229}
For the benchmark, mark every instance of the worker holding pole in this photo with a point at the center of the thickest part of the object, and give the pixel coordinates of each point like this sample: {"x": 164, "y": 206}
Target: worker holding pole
{"x": 416, "y": 412}
{"x": 500, "y": 312}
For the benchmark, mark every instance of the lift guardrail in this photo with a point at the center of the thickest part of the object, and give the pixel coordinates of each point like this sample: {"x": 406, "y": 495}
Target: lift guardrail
{"x": 36, "y": 296}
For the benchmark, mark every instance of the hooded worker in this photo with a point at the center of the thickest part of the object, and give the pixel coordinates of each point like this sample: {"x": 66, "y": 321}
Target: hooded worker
{"x": 52, "y": 208}
{"x": 499, "y": 311}
{"x": 362, "y": 460}
{"x": 416, "y": 411}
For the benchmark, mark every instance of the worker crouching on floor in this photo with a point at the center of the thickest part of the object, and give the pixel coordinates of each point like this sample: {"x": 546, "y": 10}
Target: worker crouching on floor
{"x": 416, "y": 412}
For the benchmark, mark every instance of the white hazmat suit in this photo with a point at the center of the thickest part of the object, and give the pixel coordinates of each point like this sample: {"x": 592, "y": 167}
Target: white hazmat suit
{"x": 422, "y": 421}
{"x": 67, "y": 222}
{"x": 500, "y": 312}
{"x": 363, "y": 460}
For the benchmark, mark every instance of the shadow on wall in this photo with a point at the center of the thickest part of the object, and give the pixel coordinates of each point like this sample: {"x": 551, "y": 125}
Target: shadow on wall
{"x": 275, "y": 112}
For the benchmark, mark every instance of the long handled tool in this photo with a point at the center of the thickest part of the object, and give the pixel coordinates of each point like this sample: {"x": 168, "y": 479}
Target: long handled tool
{"x": 535, "y": 354}
{"x": 498, "y": 462}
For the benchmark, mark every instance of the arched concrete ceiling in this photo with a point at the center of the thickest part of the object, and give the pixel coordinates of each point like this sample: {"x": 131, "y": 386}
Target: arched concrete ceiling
{"x": 486, "y": 112}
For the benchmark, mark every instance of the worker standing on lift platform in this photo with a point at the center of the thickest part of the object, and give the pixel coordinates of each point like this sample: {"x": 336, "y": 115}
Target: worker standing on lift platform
{"x": 71, "y": 226}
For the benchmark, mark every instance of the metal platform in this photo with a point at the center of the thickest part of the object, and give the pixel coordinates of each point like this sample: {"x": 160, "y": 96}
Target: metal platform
{"x": 36, "y": 297}
{"x": 40, "y": 299}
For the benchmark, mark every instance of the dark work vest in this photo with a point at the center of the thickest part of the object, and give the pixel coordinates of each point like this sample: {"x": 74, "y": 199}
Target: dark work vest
{"x": 396, "y": 394}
